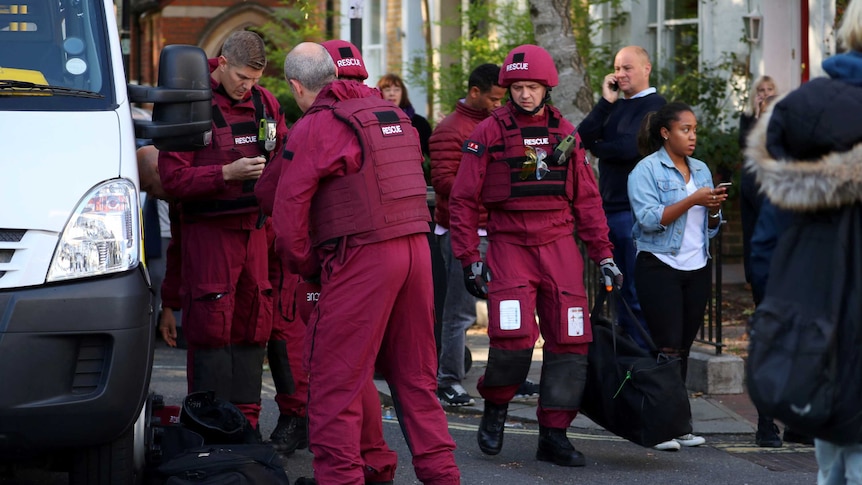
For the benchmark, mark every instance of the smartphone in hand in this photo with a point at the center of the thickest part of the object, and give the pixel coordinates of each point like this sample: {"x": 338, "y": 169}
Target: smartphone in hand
{"x": 615, "y": 86}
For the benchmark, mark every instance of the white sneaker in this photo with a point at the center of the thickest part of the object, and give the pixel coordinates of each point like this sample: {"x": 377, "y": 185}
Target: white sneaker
{"x": 672, "y": 445}
{"x": 690, "y": 440}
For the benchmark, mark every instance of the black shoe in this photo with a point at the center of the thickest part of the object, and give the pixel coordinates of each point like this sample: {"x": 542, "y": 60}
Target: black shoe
{"x": 767, "y": 434}
{"x": 491, "y": 428}
{"x": 527, "y": 389}
{"x": 554, "y": 446}
{"x": 290, "y": 434}
{"x": 793, "y": 436}
{"x": 454, "y": 396}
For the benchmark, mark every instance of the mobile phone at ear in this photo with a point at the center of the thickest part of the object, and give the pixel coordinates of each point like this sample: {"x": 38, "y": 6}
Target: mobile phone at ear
{"x": 615, "y": 86}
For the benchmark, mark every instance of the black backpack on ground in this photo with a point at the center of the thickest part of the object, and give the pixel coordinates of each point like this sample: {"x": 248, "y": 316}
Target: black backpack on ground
{"x": 207, "y": 447}
{"x": 224, "y": 465}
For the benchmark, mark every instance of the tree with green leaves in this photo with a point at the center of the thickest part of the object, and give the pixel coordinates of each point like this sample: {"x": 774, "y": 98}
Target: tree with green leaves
{"x": 298, "y": 21}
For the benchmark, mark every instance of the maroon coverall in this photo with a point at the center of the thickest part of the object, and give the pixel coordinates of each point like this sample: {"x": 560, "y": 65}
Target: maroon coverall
{"x": 532, "y": 256}
{"x": 376, "y": 306}
{"x": 226, "y": 296}
{"x": 288, "y": 329}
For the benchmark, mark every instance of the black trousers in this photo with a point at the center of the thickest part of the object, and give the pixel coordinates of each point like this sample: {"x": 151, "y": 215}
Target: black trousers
{"x": 673, "y": 303}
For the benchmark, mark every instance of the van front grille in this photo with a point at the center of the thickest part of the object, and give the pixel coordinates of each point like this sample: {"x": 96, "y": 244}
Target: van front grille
{"x": 12, "y": 235}
{"x": 9, "y": 236}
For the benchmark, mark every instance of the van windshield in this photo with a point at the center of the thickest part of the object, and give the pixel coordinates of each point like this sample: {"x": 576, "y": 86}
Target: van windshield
{"x": 54, "y": 56}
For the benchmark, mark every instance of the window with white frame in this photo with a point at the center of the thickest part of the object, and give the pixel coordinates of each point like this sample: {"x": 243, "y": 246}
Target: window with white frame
{"x": 374, "y": 39}
{"x": 673, "y": 28}
{"x": 373, "y": 34}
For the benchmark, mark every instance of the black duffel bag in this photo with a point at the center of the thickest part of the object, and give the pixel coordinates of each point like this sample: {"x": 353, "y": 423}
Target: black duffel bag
{"x": 225, "y": 465}
{"x": 632, "y": 392}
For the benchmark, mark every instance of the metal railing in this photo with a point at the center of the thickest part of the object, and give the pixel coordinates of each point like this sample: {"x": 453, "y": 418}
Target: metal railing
{"x": 710, "y": 333}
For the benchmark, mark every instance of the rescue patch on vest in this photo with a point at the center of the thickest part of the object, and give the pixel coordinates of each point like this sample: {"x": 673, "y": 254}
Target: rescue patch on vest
{"x": 391, "y": 130}
{"x": 473, "y": 147}
{"x": 245, "y": 140}
{"x": 531, "y": 142}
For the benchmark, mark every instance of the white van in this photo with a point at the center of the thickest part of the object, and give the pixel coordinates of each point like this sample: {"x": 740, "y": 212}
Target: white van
{"x": 76, "y": 305}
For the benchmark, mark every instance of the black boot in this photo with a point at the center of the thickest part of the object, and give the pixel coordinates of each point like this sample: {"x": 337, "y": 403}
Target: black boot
{"x": 555, "y": 446}
{"x": 290, "y": 434}
{"x": 767, "y": 433}
{"x": 491, "y": 428}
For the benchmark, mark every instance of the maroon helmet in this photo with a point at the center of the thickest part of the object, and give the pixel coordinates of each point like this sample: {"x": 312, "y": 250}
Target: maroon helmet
{"x": 528, "y": 63}
{"x": 348, "y": 60}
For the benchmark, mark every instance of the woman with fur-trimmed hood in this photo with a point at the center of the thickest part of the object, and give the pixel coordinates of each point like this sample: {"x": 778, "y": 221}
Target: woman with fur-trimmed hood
{"x": 806, "y": 153}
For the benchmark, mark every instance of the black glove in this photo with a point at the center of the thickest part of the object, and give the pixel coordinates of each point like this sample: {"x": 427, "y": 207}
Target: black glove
{"x": 476, "y": 278}
{"x": 612, "y": 274}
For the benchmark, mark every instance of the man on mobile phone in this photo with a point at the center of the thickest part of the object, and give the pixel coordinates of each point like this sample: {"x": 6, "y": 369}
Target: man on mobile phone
{"x": 610, "y": 133}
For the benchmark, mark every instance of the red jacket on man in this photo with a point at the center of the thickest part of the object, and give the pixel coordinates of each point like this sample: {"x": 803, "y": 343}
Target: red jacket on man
{"x": 445, "y": 145}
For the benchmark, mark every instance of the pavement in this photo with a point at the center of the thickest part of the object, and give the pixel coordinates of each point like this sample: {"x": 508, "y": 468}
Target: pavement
{"x": 711, "y": 414}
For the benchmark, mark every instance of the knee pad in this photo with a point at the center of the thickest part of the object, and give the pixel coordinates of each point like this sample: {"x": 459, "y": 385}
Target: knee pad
{"x": 279, "y": 366}
{"x": 507, "y": 367}
{"x": 247, "y": 373}
{"x": 563, "y": 379}
{"x": 211, "y": 371}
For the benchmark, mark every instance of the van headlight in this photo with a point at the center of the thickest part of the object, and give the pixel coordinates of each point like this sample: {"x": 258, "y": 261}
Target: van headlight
{"x": 102, "y": 236}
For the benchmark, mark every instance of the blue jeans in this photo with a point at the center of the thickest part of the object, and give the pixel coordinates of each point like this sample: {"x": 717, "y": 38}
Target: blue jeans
{"x": 837, "y": 464}
{"x": 459, "y": 313}
{"x": 620, "y": 233}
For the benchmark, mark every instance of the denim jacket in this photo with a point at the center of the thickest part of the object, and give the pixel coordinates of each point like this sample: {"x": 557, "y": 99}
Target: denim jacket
{"x": 654, "y": 184}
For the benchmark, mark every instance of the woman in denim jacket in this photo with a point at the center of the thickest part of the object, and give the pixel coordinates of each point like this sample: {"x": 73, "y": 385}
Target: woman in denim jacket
{"x": 676, "y": 210}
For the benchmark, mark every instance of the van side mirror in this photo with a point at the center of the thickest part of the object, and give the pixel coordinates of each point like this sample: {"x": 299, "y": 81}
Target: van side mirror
{"x": 182, "y": 107}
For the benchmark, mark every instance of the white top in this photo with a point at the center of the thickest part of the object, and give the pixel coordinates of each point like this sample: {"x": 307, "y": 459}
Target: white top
{"x": 691, "y": 254}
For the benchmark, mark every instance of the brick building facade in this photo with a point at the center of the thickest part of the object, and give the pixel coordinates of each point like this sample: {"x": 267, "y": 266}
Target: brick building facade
{"x": 205, "y": 23}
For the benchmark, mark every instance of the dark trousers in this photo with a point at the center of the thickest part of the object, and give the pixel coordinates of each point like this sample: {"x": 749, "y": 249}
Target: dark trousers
{"x": 749, "y": 208}
{"x": 673, "y": 303}
{"x": 620, "y": 233}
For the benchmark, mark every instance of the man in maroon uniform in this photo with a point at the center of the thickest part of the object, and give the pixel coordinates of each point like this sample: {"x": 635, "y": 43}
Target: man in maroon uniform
{"x": 295, "y": 296}
{"x": 534, "y": 200}
{"x": 350, "y": 207}
{"x": 226, "y": 297}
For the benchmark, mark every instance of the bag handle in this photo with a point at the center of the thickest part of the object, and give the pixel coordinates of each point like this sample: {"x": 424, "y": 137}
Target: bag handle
{"x": 616, "y": 293}
{"x": 597, "y": 306}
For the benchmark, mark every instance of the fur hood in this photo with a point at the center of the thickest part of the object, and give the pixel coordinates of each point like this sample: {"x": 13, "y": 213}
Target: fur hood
{"x": 826, "y": 180}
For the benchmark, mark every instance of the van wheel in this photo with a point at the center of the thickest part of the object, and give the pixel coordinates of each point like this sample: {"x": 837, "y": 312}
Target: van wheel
{"x": 108, "y": 464}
